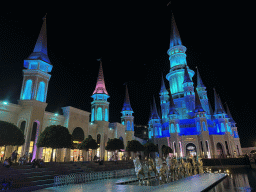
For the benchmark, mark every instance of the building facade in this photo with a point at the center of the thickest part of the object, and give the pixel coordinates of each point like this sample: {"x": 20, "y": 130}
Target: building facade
{"x": 30, "y": 115}
{"x": 187, "y": 123}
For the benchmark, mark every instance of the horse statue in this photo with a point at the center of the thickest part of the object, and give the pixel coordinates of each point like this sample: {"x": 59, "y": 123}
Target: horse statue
{"x": 161, "y": 169}
{"x": 168, "y": 164}
{"x": 200, "y": 165}
{"x": 138, "y": 168}
{"x": 152, "y": 167}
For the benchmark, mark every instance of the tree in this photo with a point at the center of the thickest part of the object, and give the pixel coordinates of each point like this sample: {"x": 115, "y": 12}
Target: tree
{"x": 134, "y": 146}
{"x": 88, "y": 143}
{"x": 114, "y": 144}
{"x": 150, "y": 147}
{"x": 166, "y": 150}
{"x": 55, "y": 137}
{"x": 10, "y": 134}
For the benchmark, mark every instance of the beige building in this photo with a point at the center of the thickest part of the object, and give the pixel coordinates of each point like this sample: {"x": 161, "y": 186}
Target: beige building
{"x": 30, "y": 115}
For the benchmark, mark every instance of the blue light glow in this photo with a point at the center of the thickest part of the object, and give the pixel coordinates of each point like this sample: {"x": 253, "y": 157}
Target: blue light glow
{"x": 92, "y": 115}
{"x": 204, "y": 127}
{"x": 128, "y": 126}
{"x": 41, "y": 92}
{"x": 27, "y": 94}
{"x": 99, "y": 114}
{"x": 106, "y": 114}
{"x": 5, "y": 102}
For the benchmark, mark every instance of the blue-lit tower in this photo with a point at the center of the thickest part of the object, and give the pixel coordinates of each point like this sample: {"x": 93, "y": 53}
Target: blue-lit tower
{"x": 177, "y": 57}
{"x": 189, "y": 94}
{"x": 164, "y": 102}
{"x": 34, "y": 90}
{"x": 202, "y": 127}
{"x": 127, "y": 118}
{"x": 201, "y": 90}
{"x": 221, "y": 120}
{"x": 155, "y": 128}
{"x": 100, "y": 104}
{"x": 174, "y": 129}
{"x": 38, "y": 66}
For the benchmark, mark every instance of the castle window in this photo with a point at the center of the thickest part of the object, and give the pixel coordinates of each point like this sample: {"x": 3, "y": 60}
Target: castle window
{"x": 99, "y": 114}
{"x": 204, "y": 127}
{"x": 106, "y": 114}
{"x": 41, "y": 92}
{"x": 28, "y": 90}
{"x": 128, "y": 126}
{"x": 92, "y": 115}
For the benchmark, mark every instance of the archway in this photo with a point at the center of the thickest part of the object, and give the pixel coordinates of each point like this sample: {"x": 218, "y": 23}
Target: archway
{"x": 78, "y": 137}
{"x": 220, "y": 152}
{"x": 191, "y": 150}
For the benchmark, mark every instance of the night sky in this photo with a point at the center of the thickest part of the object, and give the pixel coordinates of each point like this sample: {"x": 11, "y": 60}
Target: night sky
{"x": 132, "y": 38}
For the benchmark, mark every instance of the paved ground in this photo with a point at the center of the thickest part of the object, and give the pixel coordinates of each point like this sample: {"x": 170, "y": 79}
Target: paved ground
{"x": 194, "y": 183}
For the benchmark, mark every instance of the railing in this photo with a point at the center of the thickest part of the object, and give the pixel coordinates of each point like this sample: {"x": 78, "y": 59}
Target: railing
{"x": 87, "y": 177}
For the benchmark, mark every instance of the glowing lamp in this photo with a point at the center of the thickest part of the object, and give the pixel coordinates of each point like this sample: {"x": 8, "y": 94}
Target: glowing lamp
{"x": 5, "y": 102}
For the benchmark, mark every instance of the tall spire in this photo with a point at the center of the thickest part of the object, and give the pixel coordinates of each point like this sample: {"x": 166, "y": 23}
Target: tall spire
{"x": 163, "y": 88}
{"x": 199, "y": 80}
{"x": 100, "y": 85}
{"x": 172, "y": 108}
{"x": 154, "y": 114}
{"x": 40, "y": 50}
{"x": 186, "y": 76}
{"x": 175, "y": 36}
{"x": 218, "y": 106}
{"x": 127, "y": 105}
{"x": 198, "y": 105}
{"x": 229, "y": 114}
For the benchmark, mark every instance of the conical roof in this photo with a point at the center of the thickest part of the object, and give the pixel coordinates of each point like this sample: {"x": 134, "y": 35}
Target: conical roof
{"x": 199, "y": 80}
{"x": 172, "y": 108}
{"x": 100, "y": 85}
{"x": 186, "y": 76}
{"x": 218, "y": 106}
{"x": 127, "y": 105}
{"x": 198, "y": 105}
{"x": 154, "y": 114}
{"x": 40, "y": 50}
{"x": 175, "y": 36}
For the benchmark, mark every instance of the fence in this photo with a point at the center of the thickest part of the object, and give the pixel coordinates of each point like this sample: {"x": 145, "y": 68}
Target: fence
{"x": 87, "y": 177}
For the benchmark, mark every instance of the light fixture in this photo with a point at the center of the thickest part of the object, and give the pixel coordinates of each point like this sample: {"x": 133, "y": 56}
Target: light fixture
{"x": 5, "y": 102}
{"x": 56, "y": 114}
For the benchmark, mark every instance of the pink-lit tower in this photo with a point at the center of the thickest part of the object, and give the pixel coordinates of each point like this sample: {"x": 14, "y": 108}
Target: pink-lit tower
{"x": 100, "y": 105}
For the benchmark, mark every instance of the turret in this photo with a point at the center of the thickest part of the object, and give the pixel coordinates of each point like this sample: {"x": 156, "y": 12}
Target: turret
{"x": 38, "y": 66}
{"x": 164, "y": 102}
{"x": 100, "y": 105}
{"x": 127, "y": 118}
{"x": 201, "y": 90}
{"x": 177, "y": 57}
{"x": 189, "y": 94}
{"x": 155, "y": 122}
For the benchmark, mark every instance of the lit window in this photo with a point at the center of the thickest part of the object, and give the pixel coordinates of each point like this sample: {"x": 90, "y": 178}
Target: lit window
{"x": 28, "y": 90}
{"x": 41, "y": 92}
{"x": 99, "y": 114}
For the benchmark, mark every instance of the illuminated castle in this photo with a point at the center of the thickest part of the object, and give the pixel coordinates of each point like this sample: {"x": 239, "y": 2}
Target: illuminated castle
{"x": 187, "y": 124}
{"x": 30, "y": 115}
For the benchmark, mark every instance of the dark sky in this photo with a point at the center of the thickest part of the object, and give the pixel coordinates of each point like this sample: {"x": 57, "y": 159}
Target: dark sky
{"x": 132, "y": 38}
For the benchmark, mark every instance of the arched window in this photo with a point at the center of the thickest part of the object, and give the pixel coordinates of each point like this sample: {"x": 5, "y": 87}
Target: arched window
{"x": 22, "y": 126}
{"x": 198, "y": 127}
{"x": 160, "y": 131}
{"x": 41, "y": 92}
{"x": 178, "y": 128}
{"x": 128, "y": 125}
{"x": 222, "y": 127}
{"x": 78, "y": 134}
{"x": 27, "y": 94}
{"x": 204, "y": 126}
{"x": 98, "y": 138}
{"x": 92, "y": 115}
{"x": 218, "y": 129}
{"x": 172, "y": 129}
{"x": 99, "y": 114}
{"x": 106, "y": 114}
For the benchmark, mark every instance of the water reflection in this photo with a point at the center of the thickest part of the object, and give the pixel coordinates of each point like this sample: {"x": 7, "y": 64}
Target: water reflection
{"x": 238, "y": 180}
